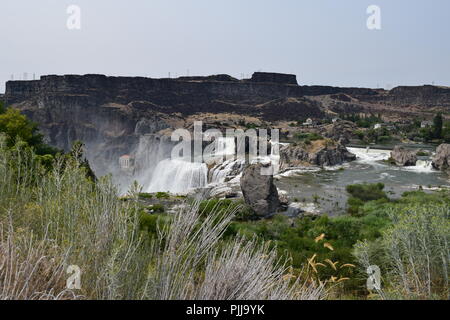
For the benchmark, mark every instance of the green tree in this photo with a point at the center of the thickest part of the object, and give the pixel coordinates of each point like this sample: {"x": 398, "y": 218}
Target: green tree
{"x": 2, "y": 107}
{"x": 446, "y": 132}
{"x": 17, "y": 126}
{"x": 77, "y": 153}
{"x": 437, "y": 126}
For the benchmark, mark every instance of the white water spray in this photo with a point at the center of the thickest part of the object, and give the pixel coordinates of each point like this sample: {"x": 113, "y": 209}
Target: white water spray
{"x": 178, "y": 176}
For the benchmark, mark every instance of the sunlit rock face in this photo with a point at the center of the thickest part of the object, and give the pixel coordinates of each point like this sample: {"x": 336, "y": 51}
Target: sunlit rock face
{"x": 403, "y": 157}
{"x": 441, "y": 160}
{"x": 259, "y": 191}
{"x": 318, "y": 153}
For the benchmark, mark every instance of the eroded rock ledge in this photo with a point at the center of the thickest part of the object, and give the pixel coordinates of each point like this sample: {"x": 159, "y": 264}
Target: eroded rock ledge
{"x": 403, "y": 157}
{"x": 318, "y": 153}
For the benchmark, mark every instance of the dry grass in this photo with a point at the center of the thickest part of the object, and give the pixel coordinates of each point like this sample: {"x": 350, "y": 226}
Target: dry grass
{"x": 59, "y": 218}
{"x": 193, "y": 263}
{"x": 31, "y": 269}
{"x": 414, "y": 254}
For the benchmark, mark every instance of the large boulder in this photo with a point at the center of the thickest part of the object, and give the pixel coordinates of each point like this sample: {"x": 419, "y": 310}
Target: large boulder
{"x": 259, "y": 191}
{"x": 318, "y": 153}
{"x": 441, "y": 160}
{"x": 403, "y": 157}
{"x": 341, "y": 131}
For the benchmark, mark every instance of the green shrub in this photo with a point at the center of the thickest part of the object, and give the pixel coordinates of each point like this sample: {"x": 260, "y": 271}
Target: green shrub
{"x": 308, "y": 136}
{"x": 162, "y": 195}
{"x": 243, "y": 211}
{"x": 151, "y": 222}
{"x": 384, "y": 139}
{"x": 367, "y": 192}
{"x": 360, "y": 134}
{"x": 361, "y": 193}
{"x": 353, "y": 205}
{"x": 412, "y": 252}
{"x": 17, "y": 127}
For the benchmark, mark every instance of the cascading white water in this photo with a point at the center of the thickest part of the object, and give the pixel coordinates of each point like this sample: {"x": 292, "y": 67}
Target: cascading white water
{"x": 159, "y": 173}
{"x": 178, "y": 176}
{"x": 225, "y": 146}
{"x": 226, "y": 169}
{"x": 370, "y": 155}
{"x": 422, "y": 166}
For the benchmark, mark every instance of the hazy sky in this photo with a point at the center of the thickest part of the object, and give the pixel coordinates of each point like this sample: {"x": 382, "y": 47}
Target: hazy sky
{"x": 322, "y": 41}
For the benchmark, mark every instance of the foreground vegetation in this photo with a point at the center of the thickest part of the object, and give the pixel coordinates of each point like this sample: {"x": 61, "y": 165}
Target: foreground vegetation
{"x": 55, "y": 218}
{"x": 407, "y": 238}
{"x": 54, "y": 214}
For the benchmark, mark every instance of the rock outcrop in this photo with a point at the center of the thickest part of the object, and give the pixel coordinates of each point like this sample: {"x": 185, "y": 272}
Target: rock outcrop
{"x": 341, "y": 131}
{"x": 403, "y": 157}
{"x": 186, "y": 95}
{"x": 259, "y": 191}
{"x": 424, "y": 96}
{"x": 427, "y": 95}
{"x": 441, "y": 161}
{"x": 319, "y": 153}
{"x": 274, "y": 78}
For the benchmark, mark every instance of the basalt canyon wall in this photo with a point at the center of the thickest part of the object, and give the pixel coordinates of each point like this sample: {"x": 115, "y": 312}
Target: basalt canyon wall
{"x": 111, "y": 115}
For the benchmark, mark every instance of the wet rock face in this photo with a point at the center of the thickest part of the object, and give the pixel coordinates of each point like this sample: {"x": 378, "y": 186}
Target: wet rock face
{"x": 320, "y": 154}
{"x": 441, "y": 160}
{"x": 403, "y": 157}
{"x": 259, "y": 191}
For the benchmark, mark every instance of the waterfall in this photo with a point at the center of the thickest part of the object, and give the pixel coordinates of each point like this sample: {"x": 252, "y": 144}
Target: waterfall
{"x": 422, "y": 166}
{"x": 152, "y": 149}
{"x": 370, "y": 155}
{"x": 229, "y": 168}
{"x": 178, "y": 176}
{"x": 156, "y": 172}
{"x": 226, "y": 146}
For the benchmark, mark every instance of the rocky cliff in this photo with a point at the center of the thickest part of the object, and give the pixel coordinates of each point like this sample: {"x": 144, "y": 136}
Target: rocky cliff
{"x": 423, "y": 96}
{"x": 110, "y": 114}
{"x": 441, "y": 160}
{"x": 403, "y": 157}
{"x": 317, "y": 153}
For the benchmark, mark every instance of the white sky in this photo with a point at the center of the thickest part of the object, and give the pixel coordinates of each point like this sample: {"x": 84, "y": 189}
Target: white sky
{"x": 322, "y": 41}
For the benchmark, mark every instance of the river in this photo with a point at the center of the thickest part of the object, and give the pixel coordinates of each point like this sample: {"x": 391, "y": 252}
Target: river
{"x": 325, "y": 188}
